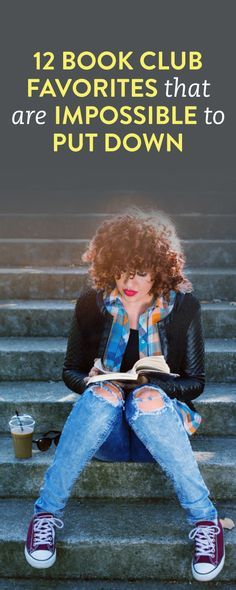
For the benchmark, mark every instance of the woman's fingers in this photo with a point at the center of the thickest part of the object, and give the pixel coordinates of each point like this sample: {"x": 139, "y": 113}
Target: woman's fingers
{"x": 94, "y": 371}
{"x": 142, "y": 379}
{"x": 125, "y": 385}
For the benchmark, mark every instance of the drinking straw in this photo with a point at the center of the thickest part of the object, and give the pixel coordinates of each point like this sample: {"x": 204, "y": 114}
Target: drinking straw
{"x": 21, "y": 425}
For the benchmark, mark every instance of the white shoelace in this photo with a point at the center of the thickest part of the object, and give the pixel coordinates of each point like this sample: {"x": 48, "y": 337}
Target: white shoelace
{"x": 44, "y": 529}
{"x": 205, "y": 539}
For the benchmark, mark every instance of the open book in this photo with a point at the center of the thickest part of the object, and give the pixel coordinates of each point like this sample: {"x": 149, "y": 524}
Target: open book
{"x": 147, "y": 364}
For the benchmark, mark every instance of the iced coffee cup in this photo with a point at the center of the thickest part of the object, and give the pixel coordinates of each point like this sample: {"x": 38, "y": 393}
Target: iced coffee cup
{"x": 22, "y": 428}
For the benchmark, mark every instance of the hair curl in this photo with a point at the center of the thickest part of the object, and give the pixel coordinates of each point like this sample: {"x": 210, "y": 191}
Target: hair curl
{"x": 136, "y": 240}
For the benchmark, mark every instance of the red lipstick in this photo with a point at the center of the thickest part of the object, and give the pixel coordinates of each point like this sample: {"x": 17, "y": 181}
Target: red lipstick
{"x": 130, "y": 293}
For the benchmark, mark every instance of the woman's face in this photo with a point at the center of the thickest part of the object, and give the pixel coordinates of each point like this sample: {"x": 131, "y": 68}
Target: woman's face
{"x": 135, "y": 287}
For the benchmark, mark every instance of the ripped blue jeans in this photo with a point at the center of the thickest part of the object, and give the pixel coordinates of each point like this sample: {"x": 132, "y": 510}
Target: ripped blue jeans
{"x": 99, "y": 426}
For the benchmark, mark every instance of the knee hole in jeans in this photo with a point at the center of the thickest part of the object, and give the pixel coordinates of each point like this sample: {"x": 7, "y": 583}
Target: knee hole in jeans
{"x": 109, "y": 392}
{"x": 148, "y": 399}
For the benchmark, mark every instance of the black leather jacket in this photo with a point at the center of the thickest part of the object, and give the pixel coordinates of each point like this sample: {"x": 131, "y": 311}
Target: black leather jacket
{"x": 181, "y": 337}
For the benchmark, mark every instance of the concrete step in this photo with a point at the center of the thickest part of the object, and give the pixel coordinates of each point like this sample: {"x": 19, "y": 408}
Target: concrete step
{"x": 172, "y": 194}
{"x": 123, "y": 479}
{"x": 220, "y": 359}
{"x": 34, "y": 584}
{"x": 53, "y": 317}
{"x": 39, "y": 317}
{"x": 64, "y": 282}
{"x": 83, "y": 225}
{"x": 219, "y": 319}
{"x": 111, "y": 540}
{"x": 51, "y": 402}
{"x": 42, "y": 358}
{"x": 213, "y": 253}
{"x": 66, "y": 252}
{"x": 213, "y": 283}
{"x": 18, "y": 252}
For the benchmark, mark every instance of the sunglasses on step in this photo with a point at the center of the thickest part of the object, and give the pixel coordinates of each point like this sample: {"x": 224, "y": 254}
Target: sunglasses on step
{"x": 44, "y": 442}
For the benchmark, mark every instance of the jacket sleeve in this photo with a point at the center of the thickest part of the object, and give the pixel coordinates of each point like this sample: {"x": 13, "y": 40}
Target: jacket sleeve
{"x": 191, "y": 382}
{"x": 72, "y": 375}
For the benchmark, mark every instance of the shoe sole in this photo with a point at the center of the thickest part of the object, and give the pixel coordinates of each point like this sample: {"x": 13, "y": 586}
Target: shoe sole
{"x": 211, "y": 575}
{"x": 40, "y": 564}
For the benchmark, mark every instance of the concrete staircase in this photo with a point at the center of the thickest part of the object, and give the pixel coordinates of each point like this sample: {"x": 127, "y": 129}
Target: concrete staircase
{"x": 123, "y": 524}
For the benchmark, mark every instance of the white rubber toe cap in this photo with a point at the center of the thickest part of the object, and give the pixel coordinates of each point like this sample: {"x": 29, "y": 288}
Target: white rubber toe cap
{"x": 40, "y": 559}
{"x": 41, "y": 555}
{"x": 205, "y": 572}
{"x": 203, "y": 568}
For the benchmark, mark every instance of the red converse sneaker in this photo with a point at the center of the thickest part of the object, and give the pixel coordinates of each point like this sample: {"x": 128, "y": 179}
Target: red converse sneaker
{"x": 209, "y": 554}
{"x": 40, "y": 548}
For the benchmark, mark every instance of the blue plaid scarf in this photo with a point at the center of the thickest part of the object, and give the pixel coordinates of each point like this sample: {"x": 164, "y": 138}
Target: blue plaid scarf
{"x": 149, "y": 341}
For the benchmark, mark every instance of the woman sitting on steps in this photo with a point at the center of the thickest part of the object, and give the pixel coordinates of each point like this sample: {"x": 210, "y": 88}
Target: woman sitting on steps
{"x": 137, "y": 302}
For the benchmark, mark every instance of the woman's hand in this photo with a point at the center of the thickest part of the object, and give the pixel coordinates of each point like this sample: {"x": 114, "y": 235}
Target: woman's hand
{"x": 92, "y": 373}
{"x": 142, "y": 380}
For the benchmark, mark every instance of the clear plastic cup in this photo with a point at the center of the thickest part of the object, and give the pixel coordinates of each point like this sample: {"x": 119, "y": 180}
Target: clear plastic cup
{"x": 22, "y": 439}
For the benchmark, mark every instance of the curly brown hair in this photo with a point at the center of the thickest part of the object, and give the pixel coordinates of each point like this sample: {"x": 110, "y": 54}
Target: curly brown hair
{"x": 136, "y": 240}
